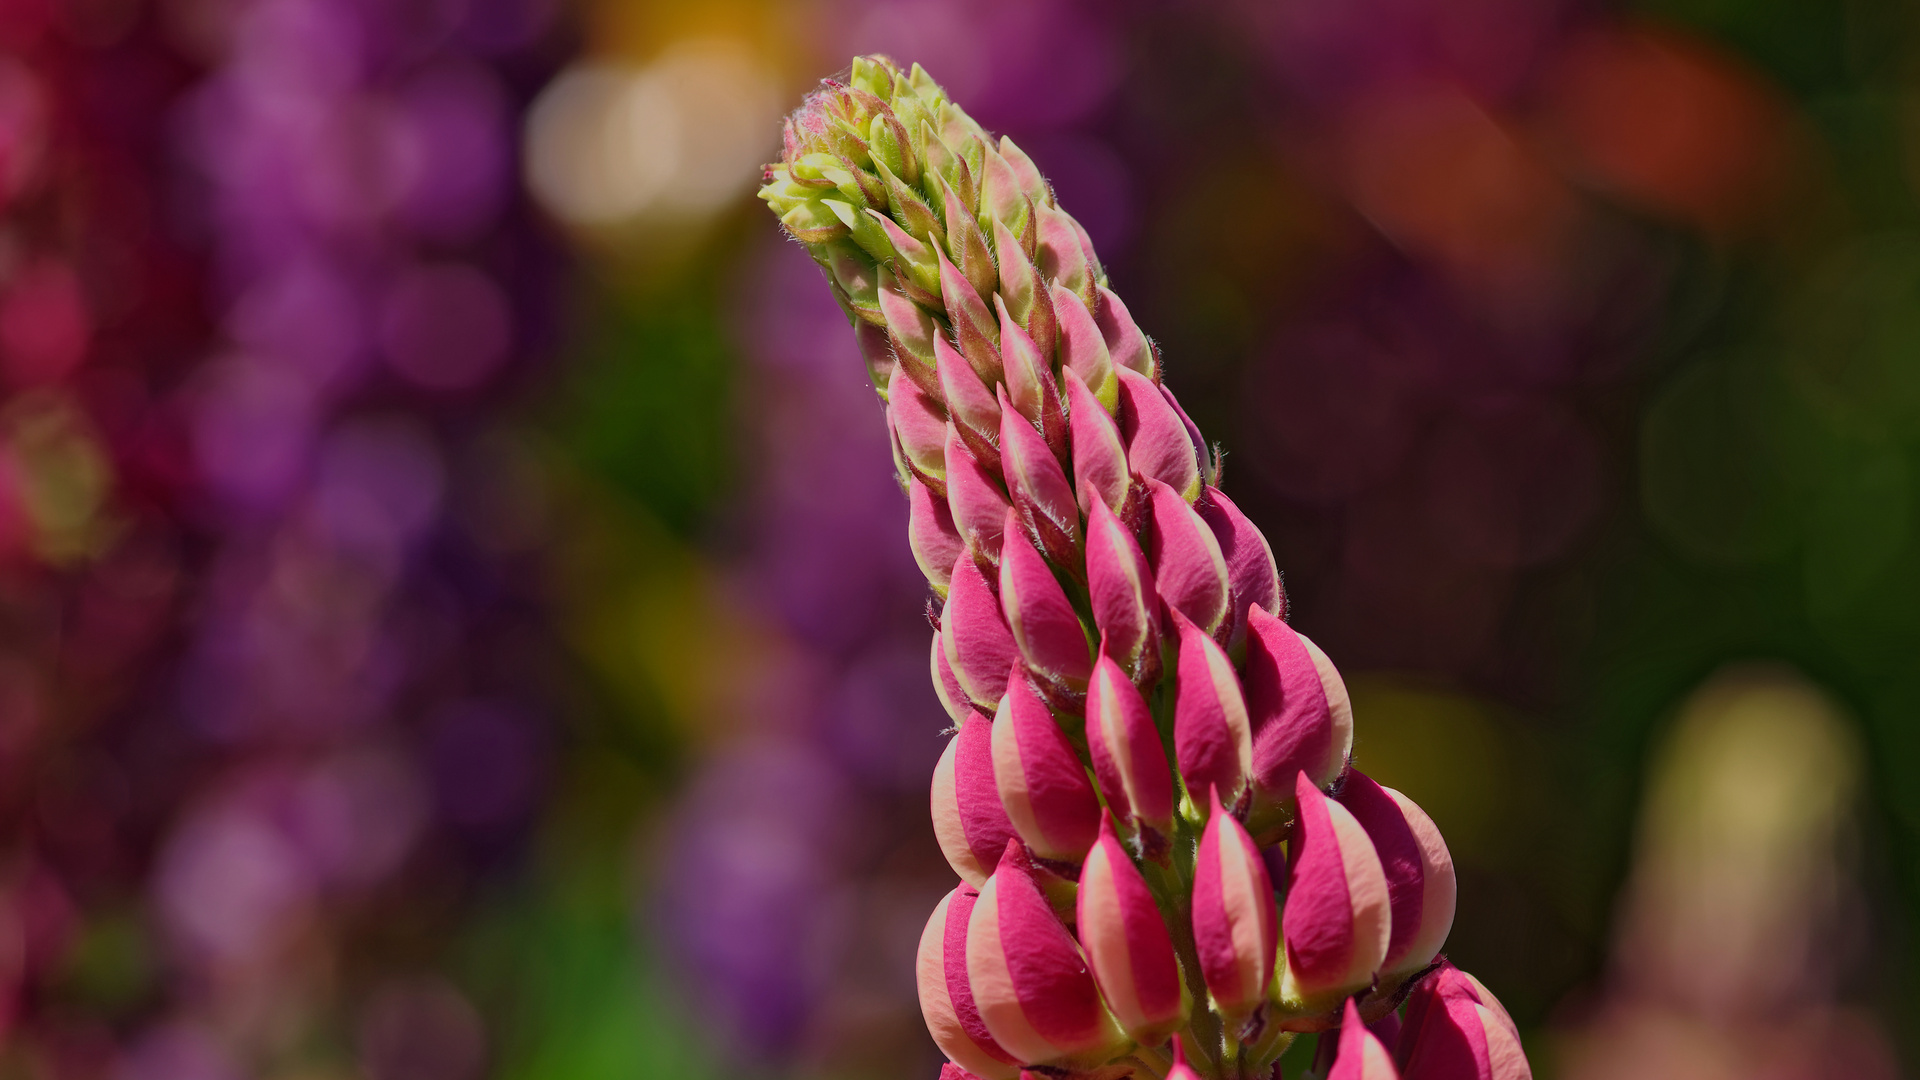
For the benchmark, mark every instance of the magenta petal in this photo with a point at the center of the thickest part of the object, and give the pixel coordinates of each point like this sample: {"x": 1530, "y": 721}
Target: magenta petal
{"x": 945, "y": 685}
{"x": 1253, "y": 580}
{"x": 1128, "y": 346}
{"x": 1125, "y": 602}
{"x": 1127, "y": 943}
{"x": 1456, "y": 1030}
{"x": 979, "y": 646}
{"x": 1361, "y": 1057}
{"x": 1100, "y": 471}
{"x": 1233, "y": 917}
{"x": 1400, "y": 856}
{"x": 1028, "y": 975}
{"x": 1029, "y": 381}
{"x": 1338, "y": 914}
{"x": 1188, "y": 569}
{"x": 1128, "y": 759}
{"x": 1082, "y": 350}
{"x": 968, "y": 818}
{"x": 1042, "y": 784}
{"x": 1293, "y": 723}
{"x": 975, "y": 499}
{"x": 1038, "y": 486}
{"x": 973, "y": 323}
{"x": 946, "y": 996}
{"x": 1201, "y": 454}
{"x": 970, "y": 402}
{"x": 1210, "y": 735}
{"x": 931, "y": 534}
{"x": 1043, "y": 622}
{"x": 1158, "y": 445}
{"x": 920, "y": 423}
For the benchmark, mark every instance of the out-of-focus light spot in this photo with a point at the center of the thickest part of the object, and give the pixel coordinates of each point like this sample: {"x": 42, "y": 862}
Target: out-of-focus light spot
{"x": 1445, "y": 751}
{"x": 420, "y": 1029}
{"x": 305, "y": 312}
{"x": 176, "y": 1051}
{"x": 44, "y": 325}
{"x": 455, "y": 118}
{"x": 680, "y": 137}
{"x": 1511, "y": 483}
{"x": 23, "y": 129}
{"x": 1669, "y": 123}
{"x": 60, "y": 476}
{"x": 377, "y": 485}
{"x": 252, "y": 427}
{"x": 487, "y": 763}
{"x": 231, "y": 886}
{"x": 1448, "y": 182}
{"x": 445, "y": 327}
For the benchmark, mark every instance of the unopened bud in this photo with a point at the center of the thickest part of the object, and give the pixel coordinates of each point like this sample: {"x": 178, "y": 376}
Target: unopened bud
{"x": 919, "y": 425}
{"x": 1038, "y": 486}
{"x": 1030, "y": 385}
{"x": 1302, "y": 721}
{"x": 1211, "y": 742}
{"x": 1158, "y": 446}
{"x": 1027, "y": 295}
{"x": 1041, "y": 617}
{"x": 1128, "y": 759}
{"x": 1064, "y": 257}
{"x": 1253, "y": 579}
{"x": 946, "y": 997}
{"x": 1127, "y": 943}
{"x": 1455, "y": 1028}
{"x": 1126, "y": 605}
{"x": 1233, "y": 916}
{"x": 973, "y": 322}
{"x": 971, "y": 403}
{"x": 974, "y": 498}
{"x": 936, "y": 543}
{"x": 1082, "y": 350}
{"x": 1100, "y": 470}
{"x": 1029, "y": 978}
{"x": 1043, "y": 786}
{"x": 1031, "y": 182}
{"x": 1129, "y": 347}
{"x": 945, "y": 686}
{"x": 1419, "y": 870}
{"x": 980, "y": 648}
{"x": 1188, "y": 568}
{"x": 967, "y": 245}
{"x": 1361, "y": 1056}
{"x": 1337, "y": 919}
{"x": 968, "y": 817}
{"x": 912, "y": 332}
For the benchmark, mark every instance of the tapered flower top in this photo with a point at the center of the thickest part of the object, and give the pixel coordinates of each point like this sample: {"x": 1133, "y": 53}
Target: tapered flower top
{"x": 1146, "y": 793}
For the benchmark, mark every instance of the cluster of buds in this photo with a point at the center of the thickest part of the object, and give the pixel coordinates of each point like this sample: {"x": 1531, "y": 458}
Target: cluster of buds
{"x": 1147, "y": 796}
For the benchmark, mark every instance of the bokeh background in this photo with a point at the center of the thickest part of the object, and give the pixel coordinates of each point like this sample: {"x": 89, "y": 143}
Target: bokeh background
{"x": 455, "y": 618}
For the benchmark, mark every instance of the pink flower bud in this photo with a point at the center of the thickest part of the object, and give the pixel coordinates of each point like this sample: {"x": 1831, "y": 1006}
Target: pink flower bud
{"x": 1126, "y": 605}
{"x": 980, "y": 648}
{"x": 946, "y": 686}
{"x": 1029, "y": 978}
{"x": 1100, "y": 471}
{"x": 1127, "y": 943}
{"x": 1233, "y": 916}
{"x": 1031, "y": 182}
{"x": 1253, "y": 580}
{"x": 1064, "y": 258}
{"x": 912, "y": 332}
{"x": 919, "y": 426}
{"x": 1043, "y": 786}
{"x": 1201, "y": 454}
{"x": 946, "y": 998}
{"x": 1128, "y": 759}
{"x": 877, "y": 350}
{"x": 971, "y": 404}
{"x": 1002, "y": 200}
{"x": 1302, "y": 721}
{"x": 936, "y": 543}
{"x": 1027, "y": 295}
{"x": 973, "y": 322}
{"x": 919, "y": 268}
{"x": 1038, "y": 486}
{"x": 966, "y": 244}
{"x": 1188, "y": 569}
{"x": 1181, "y": 1070}
{"x": 1043, "y": 621}
{"x": 1158, "y": 445}
{"x": 950, "y": 1071}
{"x": 1030, "y": 384}
{"x": 1130, "y": 348}
{"x": 1420, "y": 881}
{"x": 1082, "y": 350}
{"x": 968, "y": 818}
{"x": 1337, "y": 919}
{"x": 1211, "y": 741}
{"x": 974, "y": 497}
{"x": 1362, "y": 1057}
{"x": 1456, "y": 1030}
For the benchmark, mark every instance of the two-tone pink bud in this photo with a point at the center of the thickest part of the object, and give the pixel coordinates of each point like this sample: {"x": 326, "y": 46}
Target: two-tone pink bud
{"x": 980, "y": 647}
{"x": 1298, "y": 708}
{"x": 1253, "y": 578}
{"x": 1029, "y": 979}
{"x": 1159, "y": 445}
{"x": 975, "y": 501}
{"x": 969, "y": 819}
{"x": 1418, "y": 868}
{"x": 1338, "y": 918}
{"x": 1044, "y": 624}
{"x": 1211, "y": 738}
{"x": 1128, "y": 759}
{"x": 1038, "y": 486}
{"x": 932, "y": 535}
{"x": 1100, "y": 469}
{"x": 1361, "y": 1056}
{"x": 1188, "y": 569}
{"x": 1127, "y": 943}
{"x": 1456, "y": 1030}
{"x": 1120, "y": 588}
{"x": 1042, "y": 784}
{"x": 946, "y": 994}
{"x": 1234, "y": 927}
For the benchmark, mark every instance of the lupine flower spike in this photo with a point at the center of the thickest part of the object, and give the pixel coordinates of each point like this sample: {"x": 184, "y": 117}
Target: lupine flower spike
{"x": 1138, "y": 732}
